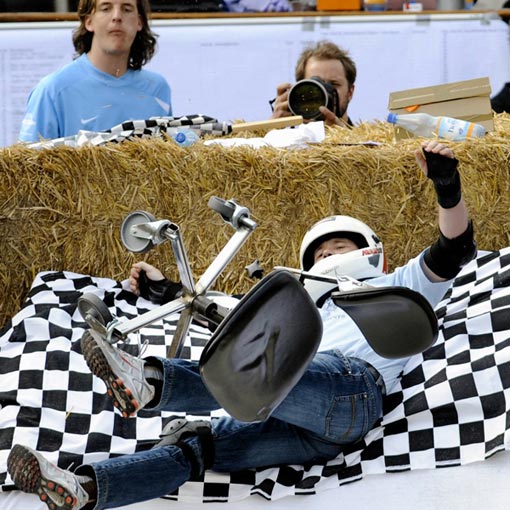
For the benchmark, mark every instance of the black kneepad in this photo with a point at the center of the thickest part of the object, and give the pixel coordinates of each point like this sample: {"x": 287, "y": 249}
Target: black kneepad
{"x": 207, "y": 446}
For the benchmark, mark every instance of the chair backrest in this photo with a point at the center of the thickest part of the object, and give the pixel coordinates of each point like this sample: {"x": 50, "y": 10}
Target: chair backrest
{"x": 262, "y": 348}
{"x": 396, "y": 321}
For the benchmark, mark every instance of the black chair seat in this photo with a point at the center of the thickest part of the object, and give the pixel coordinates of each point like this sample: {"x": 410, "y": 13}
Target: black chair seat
{"x": 396, "y": 321}
{"x": 262, "y": 348}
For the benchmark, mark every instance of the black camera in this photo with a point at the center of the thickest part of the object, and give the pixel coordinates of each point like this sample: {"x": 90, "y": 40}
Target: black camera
{"x": 306, "y": 96}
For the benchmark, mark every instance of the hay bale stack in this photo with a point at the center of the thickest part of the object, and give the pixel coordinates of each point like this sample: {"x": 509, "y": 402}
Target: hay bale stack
{"x": 61, "y": 209}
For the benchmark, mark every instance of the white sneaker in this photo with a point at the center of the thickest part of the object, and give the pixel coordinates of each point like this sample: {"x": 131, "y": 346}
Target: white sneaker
{"x": 122, "y": 373}
{"x": 32, "y": 473}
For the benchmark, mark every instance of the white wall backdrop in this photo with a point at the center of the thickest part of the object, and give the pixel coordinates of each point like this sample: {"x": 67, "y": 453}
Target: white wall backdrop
{"x": 229, "y": 68}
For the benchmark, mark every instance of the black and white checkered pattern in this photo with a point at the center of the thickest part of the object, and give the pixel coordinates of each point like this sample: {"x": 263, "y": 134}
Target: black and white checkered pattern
{"x": 150, "y": 128}
{"x": 452, "y": 407}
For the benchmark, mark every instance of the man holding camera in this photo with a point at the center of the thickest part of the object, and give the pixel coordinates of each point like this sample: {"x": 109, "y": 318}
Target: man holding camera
{"x": 333, "y": 71}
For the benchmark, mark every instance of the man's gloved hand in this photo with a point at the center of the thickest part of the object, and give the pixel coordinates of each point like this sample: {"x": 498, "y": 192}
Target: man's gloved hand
{"x": 442, "y": 171}
{"x": 160, "y": 291}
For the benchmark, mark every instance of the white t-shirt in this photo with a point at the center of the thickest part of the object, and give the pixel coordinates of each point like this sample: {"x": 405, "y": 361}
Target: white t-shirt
{"x": 341, "y": 332}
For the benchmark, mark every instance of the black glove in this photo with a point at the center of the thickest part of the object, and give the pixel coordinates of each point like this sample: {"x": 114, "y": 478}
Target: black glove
{"x": 442, "y": 171}
{"x": 160, "y": 291}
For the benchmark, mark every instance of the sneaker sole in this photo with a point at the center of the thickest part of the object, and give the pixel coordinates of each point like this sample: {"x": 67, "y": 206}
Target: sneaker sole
{"x": 25, "y": 470}
{"x": 98, "y": 364}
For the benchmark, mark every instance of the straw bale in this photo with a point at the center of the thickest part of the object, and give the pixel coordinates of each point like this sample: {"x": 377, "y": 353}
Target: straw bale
{"x": 62, "y": 208}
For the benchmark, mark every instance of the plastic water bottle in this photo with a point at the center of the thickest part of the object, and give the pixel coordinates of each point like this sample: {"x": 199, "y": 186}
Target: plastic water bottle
{"x": 423, "y": 124}
{"x": 185, "y": 137}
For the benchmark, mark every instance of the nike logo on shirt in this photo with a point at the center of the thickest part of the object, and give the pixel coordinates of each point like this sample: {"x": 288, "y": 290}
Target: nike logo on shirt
{"x": 86, "y": 121}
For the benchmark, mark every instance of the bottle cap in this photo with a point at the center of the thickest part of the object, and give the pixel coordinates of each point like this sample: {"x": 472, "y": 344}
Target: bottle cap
{"x": 180, "y": 137}
{"x": 392, "y": 118}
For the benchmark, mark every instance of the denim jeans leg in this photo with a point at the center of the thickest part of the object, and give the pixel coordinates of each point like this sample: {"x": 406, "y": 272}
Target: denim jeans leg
{"x": 183, "y": 389}
{"x": 336, "y": 402}
{"x": 337, "y": 399}
{"x": 141, "y": 476}
{"x": 239, "y": 445}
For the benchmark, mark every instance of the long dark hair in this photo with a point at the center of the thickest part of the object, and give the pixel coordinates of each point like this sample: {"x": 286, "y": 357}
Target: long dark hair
{"x": 143, "y": 47}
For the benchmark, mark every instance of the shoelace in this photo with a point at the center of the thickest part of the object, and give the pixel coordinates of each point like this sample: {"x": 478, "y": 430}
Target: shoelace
{"x": 142, "y": 346}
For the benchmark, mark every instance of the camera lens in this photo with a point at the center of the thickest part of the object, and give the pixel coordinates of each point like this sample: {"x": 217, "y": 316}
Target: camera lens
{"x": 305, "y": 98}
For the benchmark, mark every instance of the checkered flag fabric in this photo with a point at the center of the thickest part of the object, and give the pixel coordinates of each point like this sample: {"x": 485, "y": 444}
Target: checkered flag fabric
{"x": 451, "y": 408}
{"x": 155, "y": 127}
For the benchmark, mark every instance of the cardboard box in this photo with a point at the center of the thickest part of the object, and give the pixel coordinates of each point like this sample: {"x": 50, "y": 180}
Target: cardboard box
{"x": 339, "y": 5}
{"x": 466, "y": 100}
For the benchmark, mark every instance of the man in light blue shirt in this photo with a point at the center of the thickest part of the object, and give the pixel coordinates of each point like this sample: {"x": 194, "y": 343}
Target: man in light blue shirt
{"x": 106, "y": 84}
{"x": 335, "y": 403}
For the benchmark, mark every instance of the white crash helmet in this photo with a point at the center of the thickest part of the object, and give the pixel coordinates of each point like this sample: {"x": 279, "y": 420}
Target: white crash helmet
{"x": 367, "y": 261}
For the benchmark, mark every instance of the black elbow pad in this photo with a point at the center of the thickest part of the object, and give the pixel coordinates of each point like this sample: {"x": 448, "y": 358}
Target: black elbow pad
{"x": 446, "y": 257}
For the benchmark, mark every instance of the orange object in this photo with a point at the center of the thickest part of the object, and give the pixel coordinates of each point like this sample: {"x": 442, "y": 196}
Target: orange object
{"x": 339, "y": 5}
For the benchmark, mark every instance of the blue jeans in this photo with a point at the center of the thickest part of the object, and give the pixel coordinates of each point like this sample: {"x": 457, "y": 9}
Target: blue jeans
{"x": 336, "y": 402}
